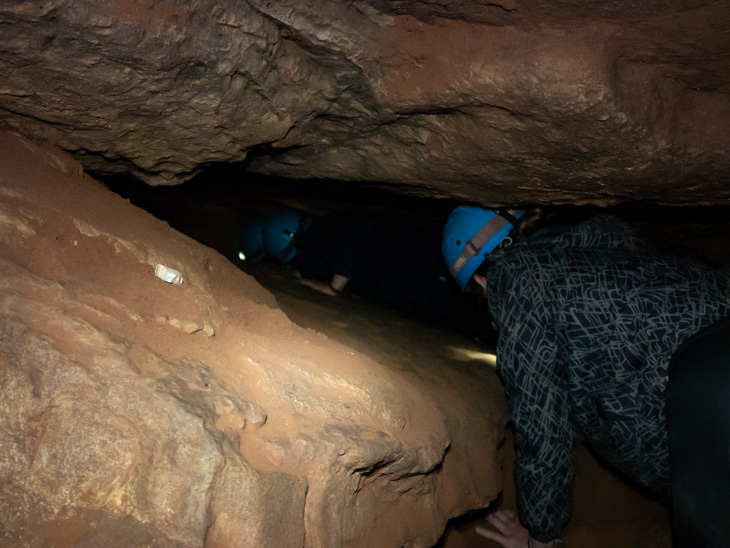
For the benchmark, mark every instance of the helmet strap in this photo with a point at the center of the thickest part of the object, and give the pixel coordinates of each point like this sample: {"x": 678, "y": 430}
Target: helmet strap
{"x": 509, "y": 214}
{"x": 475, "y": 244}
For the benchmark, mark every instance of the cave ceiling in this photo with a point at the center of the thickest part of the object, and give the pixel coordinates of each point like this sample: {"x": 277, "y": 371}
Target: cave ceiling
{"x": 503, "y": 102}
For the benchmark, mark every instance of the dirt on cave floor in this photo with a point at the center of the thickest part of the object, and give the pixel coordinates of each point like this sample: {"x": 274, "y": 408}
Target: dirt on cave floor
{"x": 609, "y": 512}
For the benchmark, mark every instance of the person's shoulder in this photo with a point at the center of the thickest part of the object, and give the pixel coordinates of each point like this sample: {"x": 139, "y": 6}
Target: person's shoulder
{"x": 556, "y": 245}
{"x": 600, "y": 233}
{"x": 522, "y": 259}
{"x": 608, "y": 223}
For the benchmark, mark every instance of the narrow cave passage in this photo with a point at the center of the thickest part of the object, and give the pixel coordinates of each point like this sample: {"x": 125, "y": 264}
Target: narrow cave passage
{"x": 610, "y": 510}
{"x": 202, "y": 386}
{"x": 235, "y": 403}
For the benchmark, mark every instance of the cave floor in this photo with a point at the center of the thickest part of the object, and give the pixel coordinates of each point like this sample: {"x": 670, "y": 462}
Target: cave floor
{"x": 608, "y": 511}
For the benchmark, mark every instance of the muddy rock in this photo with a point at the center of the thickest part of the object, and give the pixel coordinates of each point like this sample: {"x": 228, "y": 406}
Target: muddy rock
{"x": 506, "y": 102}
{"x": 117, "y": 422}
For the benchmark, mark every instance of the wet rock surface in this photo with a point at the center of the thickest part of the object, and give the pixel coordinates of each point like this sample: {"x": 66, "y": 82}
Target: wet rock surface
{"x": 199, "y": 414}
{"x": 506, "y": 102}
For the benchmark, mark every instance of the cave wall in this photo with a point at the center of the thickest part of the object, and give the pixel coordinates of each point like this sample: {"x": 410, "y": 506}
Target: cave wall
{"x": 505, "y": 102}
{"x": 139, "y": 412}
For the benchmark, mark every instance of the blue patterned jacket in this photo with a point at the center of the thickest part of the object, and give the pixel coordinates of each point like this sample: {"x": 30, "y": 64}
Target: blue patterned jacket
{"x": 589, "y": 319}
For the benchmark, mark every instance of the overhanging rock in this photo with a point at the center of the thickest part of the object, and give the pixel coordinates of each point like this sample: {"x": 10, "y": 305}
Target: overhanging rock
{"x": 503, "y": 103}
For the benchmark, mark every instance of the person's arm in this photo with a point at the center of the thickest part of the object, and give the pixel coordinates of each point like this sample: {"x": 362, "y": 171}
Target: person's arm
{"x": 545, "y": 436}
{"x": 334, "y": 288}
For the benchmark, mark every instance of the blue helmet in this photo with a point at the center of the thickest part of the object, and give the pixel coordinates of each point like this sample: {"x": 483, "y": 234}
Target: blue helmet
{"x": 251, "y": 242}
{"x": 471, "y": 233}
{"x": 281, "y": 233}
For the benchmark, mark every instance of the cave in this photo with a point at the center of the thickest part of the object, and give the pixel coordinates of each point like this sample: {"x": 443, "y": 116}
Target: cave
{"x": 241, "y": 407}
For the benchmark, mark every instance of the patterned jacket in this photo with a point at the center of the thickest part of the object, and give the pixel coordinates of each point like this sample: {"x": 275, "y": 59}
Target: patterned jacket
{"x": 589, "y": 319}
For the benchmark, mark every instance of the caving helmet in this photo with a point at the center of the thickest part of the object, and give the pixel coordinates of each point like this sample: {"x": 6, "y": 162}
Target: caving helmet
{"x": 471, "y": 233}
{"x": 251, "y": 242}
{"x": 281, "y": 233}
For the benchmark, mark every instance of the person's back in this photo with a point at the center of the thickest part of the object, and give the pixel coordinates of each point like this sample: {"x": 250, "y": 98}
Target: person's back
{"x": 589, "y": 319}
{"x": 391, "y": 261}
{"x": 338, "y": 243}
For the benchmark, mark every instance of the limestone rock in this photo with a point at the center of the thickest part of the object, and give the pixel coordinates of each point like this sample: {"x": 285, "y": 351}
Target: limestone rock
{"x": 120, "y": 422}
{"x": 507, "y": 102}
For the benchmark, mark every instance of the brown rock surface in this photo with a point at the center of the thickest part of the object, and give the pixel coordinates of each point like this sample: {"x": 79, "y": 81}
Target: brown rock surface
{"x": 135, "y": 412}
{"x": 499, "y": 102}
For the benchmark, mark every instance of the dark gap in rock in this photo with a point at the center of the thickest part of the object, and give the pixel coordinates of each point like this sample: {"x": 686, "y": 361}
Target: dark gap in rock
{"x": 216, "y": 204}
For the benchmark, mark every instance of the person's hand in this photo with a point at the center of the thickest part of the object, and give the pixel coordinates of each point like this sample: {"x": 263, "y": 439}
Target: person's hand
{"x": 319, "y": 286}
{"x": 511, "y": 533}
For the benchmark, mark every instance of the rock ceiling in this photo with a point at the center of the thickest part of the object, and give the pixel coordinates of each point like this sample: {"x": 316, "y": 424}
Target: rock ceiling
{"x": 504, "y": 102}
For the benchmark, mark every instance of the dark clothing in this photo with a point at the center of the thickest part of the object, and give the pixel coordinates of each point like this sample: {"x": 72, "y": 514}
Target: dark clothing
{"x": 589, "y": 319}
{"x": 335, "y": 244}
{"x": 698, "y": 421}
{"x": 388, "y": 261}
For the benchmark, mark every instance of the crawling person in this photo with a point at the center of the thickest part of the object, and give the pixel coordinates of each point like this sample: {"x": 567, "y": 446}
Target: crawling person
{"x": 589, "y": 319}
{"x": 383, "y": 259}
